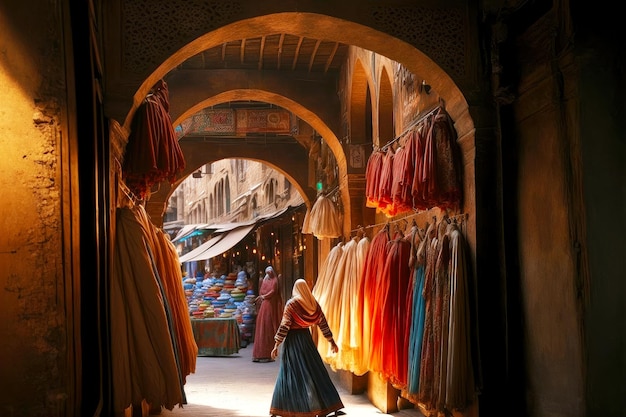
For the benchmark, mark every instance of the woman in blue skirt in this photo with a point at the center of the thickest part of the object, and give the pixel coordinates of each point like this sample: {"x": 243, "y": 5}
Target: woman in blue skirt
{"x": 303, "y": 387}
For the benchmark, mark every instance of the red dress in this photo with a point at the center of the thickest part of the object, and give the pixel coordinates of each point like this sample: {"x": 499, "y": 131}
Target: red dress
{"x": 267, "y": 320}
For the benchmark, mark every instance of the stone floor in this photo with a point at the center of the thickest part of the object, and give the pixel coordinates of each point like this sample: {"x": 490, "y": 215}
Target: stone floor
{"x": 235, "y": 386}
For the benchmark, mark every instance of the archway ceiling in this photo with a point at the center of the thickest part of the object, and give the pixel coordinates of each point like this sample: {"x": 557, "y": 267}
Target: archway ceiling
{"x": 279, "y": 56}
{"x": 280, "y": 51}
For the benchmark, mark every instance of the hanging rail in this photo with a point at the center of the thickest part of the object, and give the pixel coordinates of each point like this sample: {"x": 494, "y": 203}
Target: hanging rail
{"x": 412, "y": 125}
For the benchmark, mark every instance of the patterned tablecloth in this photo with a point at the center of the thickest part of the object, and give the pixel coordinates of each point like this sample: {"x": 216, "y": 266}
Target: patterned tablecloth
{"x": 216, "y": 336}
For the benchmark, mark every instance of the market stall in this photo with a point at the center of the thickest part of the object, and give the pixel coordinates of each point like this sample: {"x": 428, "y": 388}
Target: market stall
{"x": 216, "y": 336}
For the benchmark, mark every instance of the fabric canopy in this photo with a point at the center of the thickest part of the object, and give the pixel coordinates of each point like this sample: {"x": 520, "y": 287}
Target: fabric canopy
{"x": 225, "y": 242}
{"x": 200, "y": 249}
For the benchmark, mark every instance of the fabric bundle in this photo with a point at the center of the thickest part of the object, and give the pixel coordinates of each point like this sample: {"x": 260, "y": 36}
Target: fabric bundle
{"x": 152, "y": 153}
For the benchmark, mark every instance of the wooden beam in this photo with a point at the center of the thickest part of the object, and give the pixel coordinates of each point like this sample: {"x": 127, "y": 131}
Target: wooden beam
{"x": 261, "y": 50}
{"x": 280, "y": 50}
{"x": 223, "y": 51}
{"x": 330, "y": 58}
{"x": 242, "y": 51}
{"x": 295, "y": 56}
{"x": 317, "y": 45}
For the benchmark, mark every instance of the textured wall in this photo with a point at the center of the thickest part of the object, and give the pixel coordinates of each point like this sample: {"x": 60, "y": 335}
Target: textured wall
{"x": 33, "y": 333}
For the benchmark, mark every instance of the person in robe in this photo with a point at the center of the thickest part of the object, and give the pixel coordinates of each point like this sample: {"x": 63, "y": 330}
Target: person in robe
{"x": 270, "y": 309}
{"x": 303, "y": 387}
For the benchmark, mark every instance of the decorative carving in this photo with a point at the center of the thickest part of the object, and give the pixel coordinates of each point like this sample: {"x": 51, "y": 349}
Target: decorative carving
{"x": 439, "y": 33}
{"x": 143, "y": 39}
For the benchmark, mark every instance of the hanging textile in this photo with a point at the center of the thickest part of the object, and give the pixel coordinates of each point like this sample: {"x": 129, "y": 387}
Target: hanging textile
{"x": 354, "y": 292}
{"x": 322, "y": 291}
{"x": 384, "y": 197}
{"x": 143, "y": 351}
{"x": 152, "y": 154}
{"x": 427, "y": 368}
{"x": 440, "y": 177}
{"x": 403, "y": 170}
{"x": 373, "y": 170}
{"x": 323, "y": 220}
{"x": 394, "y": 313}
{"x": 349, "y": 318}
{"x": 381, "y": 313}
{"x": 460, "y": 379}
{"x": 169, "y": 268}
{"x": 372, "y": 270}
{"x": 334, "y": 298}
{"x": 416, "y": 331}
{"x": 423, "y": 172}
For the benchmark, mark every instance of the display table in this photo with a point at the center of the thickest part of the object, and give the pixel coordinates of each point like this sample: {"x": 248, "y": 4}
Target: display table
{"x": 216, "y": 336}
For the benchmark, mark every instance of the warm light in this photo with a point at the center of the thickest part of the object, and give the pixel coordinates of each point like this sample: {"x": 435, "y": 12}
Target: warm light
{"x": 263, "y": 257}
{"x": 237, "y": 253}
{"x": 224, "y": 255}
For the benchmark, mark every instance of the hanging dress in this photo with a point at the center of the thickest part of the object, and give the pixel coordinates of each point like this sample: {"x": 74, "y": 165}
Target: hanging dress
{"x": 393, "y": 314}
{"x": 350, "y": 318}
{"x": 373, "y": 170}
{"x": 427, "y": 367}
{"x": 335, "y": 299}
{"x": 321, "y": 290}
{"x": 460, "y": 379}
{"x": 372, "y": 270}
{"x": 417, "y": 323}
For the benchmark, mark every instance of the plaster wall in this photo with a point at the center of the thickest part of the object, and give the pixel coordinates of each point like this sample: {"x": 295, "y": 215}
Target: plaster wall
{"x": 35, "y": 376}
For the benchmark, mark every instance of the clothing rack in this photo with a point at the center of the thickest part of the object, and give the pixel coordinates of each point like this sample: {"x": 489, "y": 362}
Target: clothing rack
{"x": 461, "y": 217}
{"x": 412, "y": 125}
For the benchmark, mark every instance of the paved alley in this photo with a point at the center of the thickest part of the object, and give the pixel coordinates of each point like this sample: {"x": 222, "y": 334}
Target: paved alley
{"x": 236, "y": 386}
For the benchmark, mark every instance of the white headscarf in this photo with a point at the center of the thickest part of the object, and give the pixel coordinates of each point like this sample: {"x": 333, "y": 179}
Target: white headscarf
{"x": 302, "y": 294}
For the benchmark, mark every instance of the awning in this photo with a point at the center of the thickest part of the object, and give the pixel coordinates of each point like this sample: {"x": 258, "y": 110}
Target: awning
{"x": 227, "y": 240}
{"x": 225, "y": 236}
{"x": 188, "y": 230}
{"x": 200, "y": 249}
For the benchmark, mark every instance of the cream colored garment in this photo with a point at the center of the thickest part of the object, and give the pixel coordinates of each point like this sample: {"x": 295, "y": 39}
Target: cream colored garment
{"x": 343, "y": 295}
{"x": 321, "y": 291}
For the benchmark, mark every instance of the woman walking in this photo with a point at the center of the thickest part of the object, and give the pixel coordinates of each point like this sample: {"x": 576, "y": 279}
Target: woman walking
{"x": 303, "y": 387}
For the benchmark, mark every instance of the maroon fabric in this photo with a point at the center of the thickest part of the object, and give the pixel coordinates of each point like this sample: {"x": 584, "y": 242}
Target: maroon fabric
{"x": 152, "y": 153}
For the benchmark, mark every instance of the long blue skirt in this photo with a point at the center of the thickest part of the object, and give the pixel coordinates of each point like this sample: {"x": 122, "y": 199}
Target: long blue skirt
{"x": 303, "y": 387}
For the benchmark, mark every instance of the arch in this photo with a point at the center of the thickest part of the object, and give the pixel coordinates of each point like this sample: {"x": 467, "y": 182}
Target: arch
{"x": 359, "y": 103}
{"x": 386, "y": 130}
{"x": 311, "y": 25}
{"x": 307, "y": 115}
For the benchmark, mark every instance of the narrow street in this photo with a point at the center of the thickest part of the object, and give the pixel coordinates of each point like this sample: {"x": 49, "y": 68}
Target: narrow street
{"x": 235, "y": 386}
